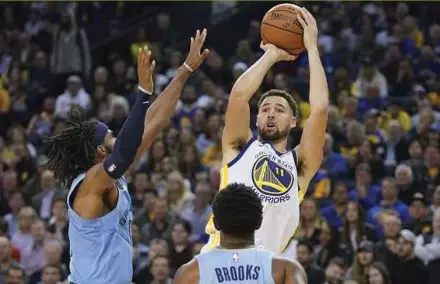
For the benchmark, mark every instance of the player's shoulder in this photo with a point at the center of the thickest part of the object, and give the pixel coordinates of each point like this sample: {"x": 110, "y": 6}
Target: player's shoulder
{"x": 95, "y": 179}
{"x": 283, "y": 268}
{"x": 188, "y": 273}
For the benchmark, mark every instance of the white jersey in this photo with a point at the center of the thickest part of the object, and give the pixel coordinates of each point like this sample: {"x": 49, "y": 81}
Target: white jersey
{"x": 274, "y": 177}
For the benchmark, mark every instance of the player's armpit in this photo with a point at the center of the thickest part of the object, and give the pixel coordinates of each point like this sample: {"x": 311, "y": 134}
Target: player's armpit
{"x": 188, "y": 273}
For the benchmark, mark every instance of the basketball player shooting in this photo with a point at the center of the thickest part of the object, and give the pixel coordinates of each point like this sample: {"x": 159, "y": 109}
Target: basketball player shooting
{"x": 92, "y": 162}
{"x": 238, "y": 212}
{"x": 279, "y": 177}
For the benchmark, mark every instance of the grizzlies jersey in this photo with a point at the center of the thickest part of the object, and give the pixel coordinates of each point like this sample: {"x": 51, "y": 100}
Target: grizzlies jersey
{"x": 273, "y": 176}
{"x": 101, "y": 248}
{"x": 247, "y": 266}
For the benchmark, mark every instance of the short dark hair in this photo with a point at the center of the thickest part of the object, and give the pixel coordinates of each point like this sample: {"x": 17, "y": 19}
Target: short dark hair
{"x": 306, "y": 243}
{"x": 72, "y": 152}
{"x": 185, "y": 224}
{"x": 280, "y": 93}
{"x": 237, "y": 210}
{"x": 52, "y": 266}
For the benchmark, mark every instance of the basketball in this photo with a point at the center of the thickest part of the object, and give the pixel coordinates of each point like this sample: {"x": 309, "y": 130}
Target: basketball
{"x": 281, "y": 28}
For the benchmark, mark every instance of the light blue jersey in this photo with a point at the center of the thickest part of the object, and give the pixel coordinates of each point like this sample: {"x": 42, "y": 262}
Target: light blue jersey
{"x": 245, "y": 266}
{"x": 101, "y": 249}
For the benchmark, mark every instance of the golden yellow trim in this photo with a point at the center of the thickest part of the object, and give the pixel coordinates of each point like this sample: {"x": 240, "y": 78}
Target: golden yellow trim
{"x": 214, "y": 236}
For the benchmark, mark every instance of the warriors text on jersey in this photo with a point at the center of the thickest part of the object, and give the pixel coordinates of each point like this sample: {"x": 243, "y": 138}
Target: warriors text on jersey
{"x": 273, "y": 176}
{"x": 251, "y": 265}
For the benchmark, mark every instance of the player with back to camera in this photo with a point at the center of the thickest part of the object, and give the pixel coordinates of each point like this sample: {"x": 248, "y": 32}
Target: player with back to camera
{"x": 237, "y": 213}
{"x": 93, "y": 162}
{"x": 278, "y": 176}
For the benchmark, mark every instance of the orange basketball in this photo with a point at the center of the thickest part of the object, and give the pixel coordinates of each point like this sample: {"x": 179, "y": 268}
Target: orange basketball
{"x": 281, "y": 28}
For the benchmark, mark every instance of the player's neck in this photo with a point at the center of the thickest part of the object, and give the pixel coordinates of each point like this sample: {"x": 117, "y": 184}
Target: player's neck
{"x": 279, "y": 145}
{"x": 227, "y": 242}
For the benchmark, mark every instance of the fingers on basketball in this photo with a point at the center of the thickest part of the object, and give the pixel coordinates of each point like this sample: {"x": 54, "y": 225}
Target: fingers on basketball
{"x": 310, "y": 18}
{"x": 302, "y": 19}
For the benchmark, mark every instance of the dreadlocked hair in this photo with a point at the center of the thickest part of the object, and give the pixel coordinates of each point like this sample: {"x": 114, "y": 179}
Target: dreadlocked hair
{"x": 71, "y": 152}
{"x": 237, "y": 210}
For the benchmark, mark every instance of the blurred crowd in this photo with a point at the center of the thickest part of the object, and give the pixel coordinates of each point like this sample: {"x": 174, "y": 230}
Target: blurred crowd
{"x": 372, "y": 212}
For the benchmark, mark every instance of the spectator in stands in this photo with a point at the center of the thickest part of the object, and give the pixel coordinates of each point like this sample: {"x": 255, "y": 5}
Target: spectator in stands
{"x": 199, "y": 214}
{"x": 22, "y": 238}
{"x": 335, "y": 211}
{"x": 427, "y": 248}
{"x": 15, "y": 275}
{"x": 6, "y": 259}
{"x": 390, "y": 204}
{"x": 304, "y": 251}
{"x": 310, "y": 223}
{"x": 403, "y": 265}
{"x": 334, "y": 271}
{"x": 74, "y": 95}
{"x": 160, "y": 269}
{"x": 363, "y": 259}
{"x": 162, "y": 224}
{"x": 354, "y": 230}
{"x": 181, "y": 249}
{"x": 42, "y": 202}
{"x": 52, "y": 258}
{"x": 33, "y": 257}
{"x": 378, "y": 274}
{"x": 51, "y": 274}
{"x": 421, "y": 215}
{"x": 15, "y": 203}
{"x": 71, "y": 51}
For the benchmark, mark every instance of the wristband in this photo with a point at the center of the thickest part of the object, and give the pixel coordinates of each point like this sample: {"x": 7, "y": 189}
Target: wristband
{"x": 188, "y": 67}
{"x": 144, "y": 91}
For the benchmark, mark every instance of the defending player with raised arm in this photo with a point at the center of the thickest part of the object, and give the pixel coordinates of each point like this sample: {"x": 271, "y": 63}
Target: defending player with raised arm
{"x": 92, "y": 162}
{"x": 278, "y": 176}
{"x": 238, "y": 212}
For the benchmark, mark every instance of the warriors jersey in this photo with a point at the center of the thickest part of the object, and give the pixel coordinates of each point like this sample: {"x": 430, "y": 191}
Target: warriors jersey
{"x": 274, "y": 177}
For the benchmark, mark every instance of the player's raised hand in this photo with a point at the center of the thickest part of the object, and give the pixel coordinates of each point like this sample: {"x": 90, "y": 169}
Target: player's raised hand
{"x": 195, "y": 58}
{"x": 145, "y": 70}
{"x": 308, "y": 23}
{"x": 279, "y": 54}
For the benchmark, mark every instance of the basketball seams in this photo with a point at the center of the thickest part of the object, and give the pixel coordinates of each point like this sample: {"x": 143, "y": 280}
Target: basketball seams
{"x": 272, "y": 28}
{"x": 286, "y": 30}
{"x": 285, "y": 48}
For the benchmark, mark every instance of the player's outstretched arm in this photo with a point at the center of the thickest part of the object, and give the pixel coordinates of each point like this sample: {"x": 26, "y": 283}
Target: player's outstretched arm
{"x": 309, "y": 151}
{"x": 188, "y": 273}
{"x": 237, "y": 116}
{"x": 163, "y": 108}
{"x": 101, "y": 176}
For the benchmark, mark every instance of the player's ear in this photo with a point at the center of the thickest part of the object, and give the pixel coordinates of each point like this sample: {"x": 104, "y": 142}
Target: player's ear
{"x": 293, "y": 122}
{"x": 101, "y": 151}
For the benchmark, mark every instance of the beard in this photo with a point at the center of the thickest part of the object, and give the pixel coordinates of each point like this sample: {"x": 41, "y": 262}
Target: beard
{"x": 272, "y": 136}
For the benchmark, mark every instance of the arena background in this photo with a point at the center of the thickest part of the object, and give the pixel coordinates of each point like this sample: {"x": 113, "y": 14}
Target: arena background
{"x": 372, "y": 206}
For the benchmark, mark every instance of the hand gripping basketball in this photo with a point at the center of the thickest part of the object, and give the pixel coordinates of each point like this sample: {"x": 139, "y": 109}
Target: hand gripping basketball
{"x": 194, "y": 58}
{"x": 280, "y": 54}
{"x": 308, "y": 23}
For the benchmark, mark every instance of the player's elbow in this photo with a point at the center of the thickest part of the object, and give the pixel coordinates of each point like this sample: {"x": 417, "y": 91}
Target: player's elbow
{"x": 239, "y": 96}
{"x": 320, "y": 109}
